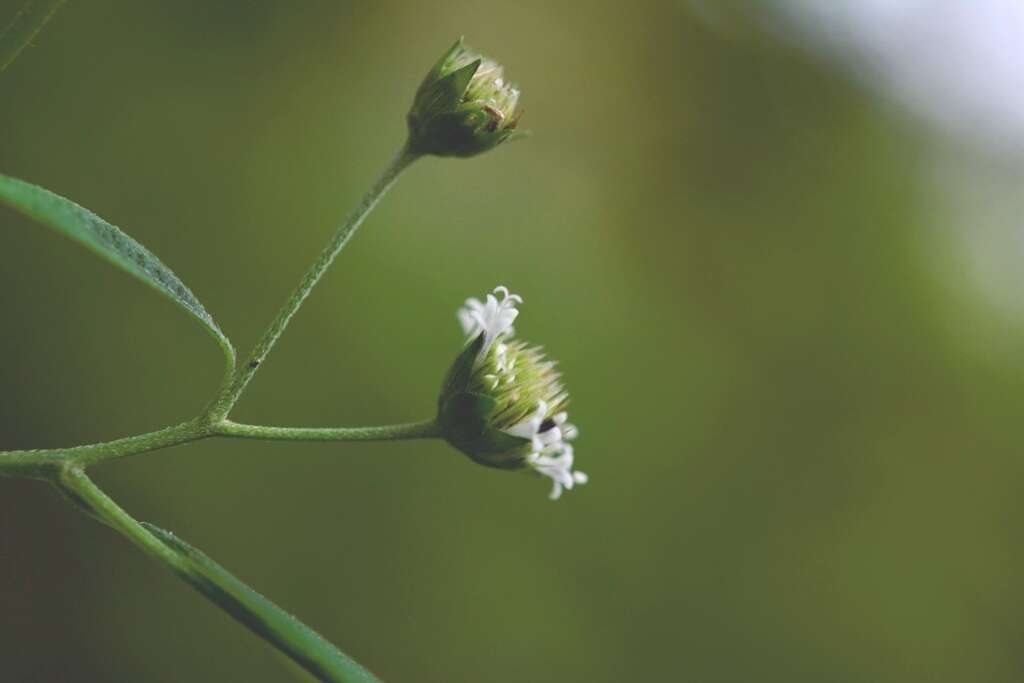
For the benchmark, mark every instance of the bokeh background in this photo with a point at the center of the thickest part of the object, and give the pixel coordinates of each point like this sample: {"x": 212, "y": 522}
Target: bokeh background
{"x": 776, "y": 248}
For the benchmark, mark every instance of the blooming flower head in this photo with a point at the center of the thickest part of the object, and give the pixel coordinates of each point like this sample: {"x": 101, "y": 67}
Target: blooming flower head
{"x": 463, "y": 107}
{"x": 503, "y": 403}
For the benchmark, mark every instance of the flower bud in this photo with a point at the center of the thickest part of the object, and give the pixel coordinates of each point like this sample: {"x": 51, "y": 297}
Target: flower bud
{"x": 503, "y": 403}
{"x": 463, "y": 107}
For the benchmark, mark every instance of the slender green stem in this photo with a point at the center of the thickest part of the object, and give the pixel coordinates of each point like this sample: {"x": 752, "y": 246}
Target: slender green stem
{"x": 79, "y": 488}
{"x": 261, "y": 616}
{"x": 45, "y": 464}
{"x": 413, "y": 430}
{"x": 229, "y": 397}
{"x": 23, "y": 28}
{"x": 213, "y": 422}
{"x": 65, "y": 467}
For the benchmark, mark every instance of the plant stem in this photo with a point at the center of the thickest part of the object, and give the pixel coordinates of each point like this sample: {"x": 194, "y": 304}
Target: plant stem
{"x": 64, "y": 467}
{"x": 23, "y": 28}
{"x": 413, "y": 430}
{"x": 77, "y": 486}
{"x": 261, "y": 616}
{"x": 43, "y": 463}
{"x": 46, "y": 463}
{"x": 229, "y": 397}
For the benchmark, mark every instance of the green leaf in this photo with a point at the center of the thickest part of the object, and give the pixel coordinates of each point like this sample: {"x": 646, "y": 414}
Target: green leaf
{"x": 302, "y": 644}
{"x": 108, "y": 241}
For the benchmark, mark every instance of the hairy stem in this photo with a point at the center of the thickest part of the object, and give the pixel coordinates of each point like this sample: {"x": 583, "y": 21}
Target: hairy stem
{"x": 413, "y": 430}
{"x": 261, "y": 616}
{"x": 229, "y": 397}
{"x": 46, "y": 463}
{"x": 65, "y": 467}
{"x": 23, "y": 28}
{"x": 79, "y": 488}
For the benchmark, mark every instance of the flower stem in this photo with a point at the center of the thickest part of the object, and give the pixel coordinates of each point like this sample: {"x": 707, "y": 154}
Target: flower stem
{"x": 23, "y": 28}
{"x": 261, "y": 616}
{"x": 233, "y": 390}
{"x": 47, "y": 463}
{"x": 413, "y": 430}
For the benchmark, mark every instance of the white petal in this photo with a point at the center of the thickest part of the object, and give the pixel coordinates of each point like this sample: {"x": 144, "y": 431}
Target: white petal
{"x": 524, "y": 430}
{"x": 528, "y": 428}
{"x": 555, "y": 462}
{"x": 493, "y": 317}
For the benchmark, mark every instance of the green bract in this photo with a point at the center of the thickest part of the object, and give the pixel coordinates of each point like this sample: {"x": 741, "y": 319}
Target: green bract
{"x": 482, "y": 402}
{"x": 463, "y": 107}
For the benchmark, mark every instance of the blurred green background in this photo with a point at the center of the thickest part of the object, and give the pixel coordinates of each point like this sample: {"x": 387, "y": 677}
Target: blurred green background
{"x": 802, "y": 431}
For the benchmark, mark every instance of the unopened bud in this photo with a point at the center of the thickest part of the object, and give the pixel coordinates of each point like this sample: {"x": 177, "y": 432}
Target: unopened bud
{"x": 463, "y": 107}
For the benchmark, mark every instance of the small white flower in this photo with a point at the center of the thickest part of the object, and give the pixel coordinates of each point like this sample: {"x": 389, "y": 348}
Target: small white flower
{"x": 494, "y": 318}
{"x": 559, "y": 469}
{"x": 528, "y": 399}
{"x": 551, "y": 454}
{"x": 500, "y": 387}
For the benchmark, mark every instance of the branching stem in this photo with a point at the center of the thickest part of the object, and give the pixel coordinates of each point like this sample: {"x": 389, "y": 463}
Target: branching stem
{"x": 48, "y": 463}
{"x": 65, "y": 467}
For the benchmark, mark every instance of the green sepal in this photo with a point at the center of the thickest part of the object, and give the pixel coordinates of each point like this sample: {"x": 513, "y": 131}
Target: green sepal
{"x": 457, "y": 82}
{"x": 435, "y": 97}
{"x": 453, "y": 86}
{"x": 461, "y": 371}
{"x": 465, "y": 132}
{"x": 438, "y": 68}
{"x": 464, "y": 419}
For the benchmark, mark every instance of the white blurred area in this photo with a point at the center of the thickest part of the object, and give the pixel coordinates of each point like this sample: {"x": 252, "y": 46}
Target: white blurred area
{"x": 957, "y": 63}
{"x": 958, "y": 67}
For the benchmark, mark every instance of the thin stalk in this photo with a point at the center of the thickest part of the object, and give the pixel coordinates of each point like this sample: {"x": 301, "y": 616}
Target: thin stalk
{"x": 79, "y": 488}
{"x": 261, "y": 616}
{"x": 46, "y": 463}
{"x": 229, "y": 397}
{"x": 413, "y": 430}
{"x": 23, "y": 28}
{"x": 43, "y": 463}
